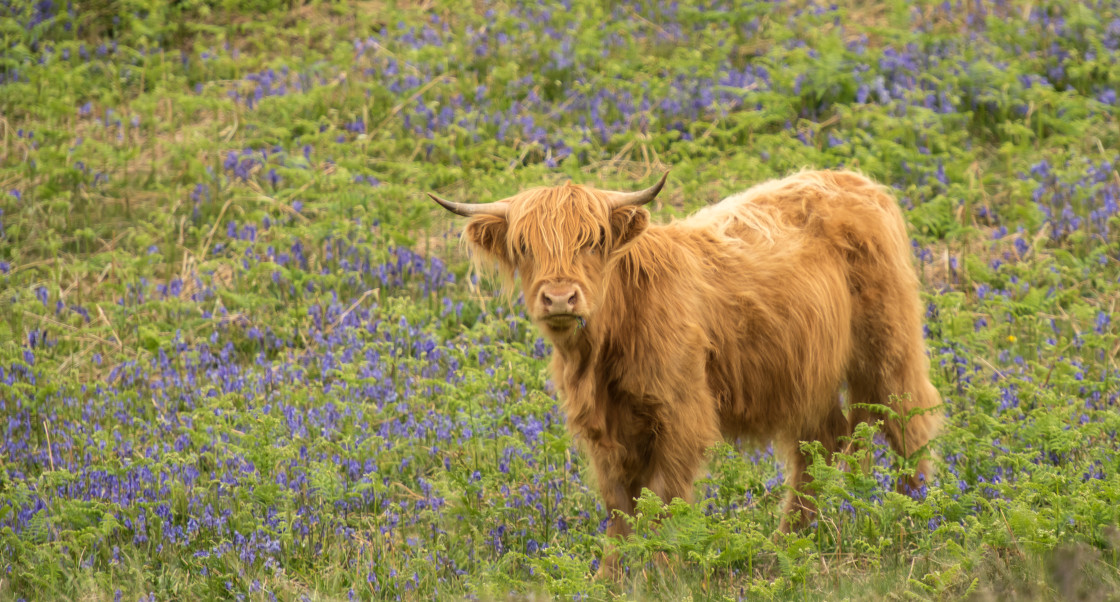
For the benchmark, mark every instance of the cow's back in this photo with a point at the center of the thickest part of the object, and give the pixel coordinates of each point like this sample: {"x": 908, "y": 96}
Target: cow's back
{"x": 842, "y": 207}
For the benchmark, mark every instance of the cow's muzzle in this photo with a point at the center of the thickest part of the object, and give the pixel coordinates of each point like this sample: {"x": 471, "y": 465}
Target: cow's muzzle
{"x": 560, "y": 305}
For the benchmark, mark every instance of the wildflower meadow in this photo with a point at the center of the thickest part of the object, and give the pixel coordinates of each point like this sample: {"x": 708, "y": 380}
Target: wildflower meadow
{"x": 243, "y": 355}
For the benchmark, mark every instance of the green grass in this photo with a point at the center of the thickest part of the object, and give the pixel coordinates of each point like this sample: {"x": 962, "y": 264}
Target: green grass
{"x": 241, "y": 354}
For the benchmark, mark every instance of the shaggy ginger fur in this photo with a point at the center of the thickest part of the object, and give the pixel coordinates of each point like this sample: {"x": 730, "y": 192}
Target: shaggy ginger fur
{"x": 742, "y": 320}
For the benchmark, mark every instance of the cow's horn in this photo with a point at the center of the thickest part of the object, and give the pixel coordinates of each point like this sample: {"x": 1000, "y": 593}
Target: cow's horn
{"x": 470, "y": 210}
{"x": 637, "y": 199}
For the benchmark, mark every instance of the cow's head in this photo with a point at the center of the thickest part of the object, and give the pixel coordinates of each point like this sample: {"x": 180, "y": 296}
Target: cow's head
{"x": 561, "y": 241}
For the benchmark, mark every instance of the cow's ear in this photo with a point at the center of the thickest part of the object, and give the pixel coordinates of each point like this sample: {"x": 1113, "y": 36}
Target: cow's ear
{"x": 486, "y": 234}
{"x": 626, "y": 224}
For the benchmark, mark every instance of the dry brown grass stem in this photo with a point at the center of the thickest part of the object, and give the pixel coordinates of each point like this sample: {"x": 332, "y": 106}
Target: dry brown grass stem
{"x": 101, "y": 312}
{"x": 376, "y": 293}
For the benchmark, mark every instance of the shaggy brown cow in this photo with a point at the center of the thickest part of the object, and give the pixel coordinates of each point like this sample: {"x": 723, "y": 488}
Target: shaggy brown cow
{"x": 742, "y": 320}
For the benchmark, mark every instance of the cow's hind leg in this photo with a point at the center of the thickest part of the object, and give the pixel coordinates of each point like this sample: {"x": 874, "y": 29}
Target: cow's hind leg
{"x": 799, "y": 509}
{"x": 889, "y": 366}
{"x": 903, "y": 385}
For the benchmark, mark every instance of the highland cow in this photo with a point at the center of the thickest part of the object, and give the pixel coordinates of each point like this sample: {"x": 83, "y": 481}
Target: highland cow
{"x": 742, "y": 320}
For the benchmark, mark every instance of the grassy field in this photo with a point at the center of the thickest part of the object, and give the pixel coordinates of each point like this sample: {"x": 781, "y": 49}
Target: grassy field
{"x": 242, "y": 356}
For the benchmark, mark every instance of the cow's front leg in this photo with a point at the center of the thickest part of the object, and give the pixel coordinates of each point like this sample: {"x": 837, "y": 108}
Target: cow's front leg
{"x": 685, "y": 430}
{"x": 674, "y": 462}
{"x": 673, "y": 478}
{"x": 617, "y": 497}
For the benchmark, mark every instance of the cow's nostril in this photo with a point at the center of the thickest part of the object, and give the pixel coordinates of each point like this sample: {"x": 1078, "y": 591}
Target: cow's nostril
{"x": 559, "y": 299}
